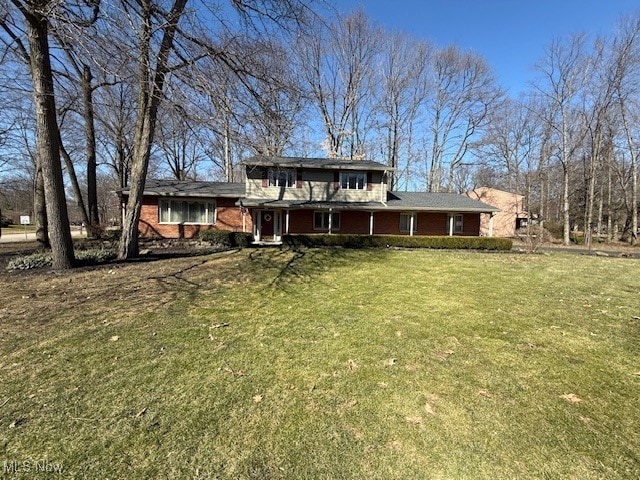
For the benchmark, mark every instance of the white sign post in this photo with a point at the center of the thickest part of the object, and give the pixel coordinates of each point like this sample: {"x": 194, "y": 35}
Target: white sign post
{"x": 25, "y": 220}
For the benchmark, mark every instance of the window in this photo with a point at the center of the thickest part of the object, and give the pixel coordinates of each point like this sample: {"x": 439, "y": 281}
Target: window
{"x": 282, "y": 177}
{"x": 353, "y": 180}
{"x": 321, "y": 220}
{"x": 405, "y": 222}
{"x": 182, "y": 211}
{"x": 457, "y": 223}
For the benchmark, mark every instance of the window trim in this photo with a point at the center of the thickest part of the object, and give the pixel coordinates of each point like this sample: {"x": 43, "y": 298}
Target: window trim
{"x": 452, "y": 218}
{"x": 349, "y": 173}
{"x": 325, "y": 227}
{"x": 169, "y": 201}
{"x": 415, "y": 222}
{"x": 272, "y": 177}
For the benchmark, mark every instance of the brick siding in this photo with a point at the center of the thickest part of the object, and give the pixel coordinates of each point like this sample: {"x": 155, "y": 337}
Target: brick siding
{"x": 228, "y": 217}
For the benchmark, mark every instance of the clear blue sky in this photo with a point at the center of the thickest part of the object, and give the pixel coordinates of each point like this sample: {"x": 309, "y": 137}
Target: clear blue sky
{"x": 510, "y": 34}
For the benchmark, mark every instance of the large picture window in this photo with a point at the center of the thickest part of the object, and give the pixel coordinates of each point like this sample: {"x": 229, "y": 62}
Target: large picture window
{"x": 353, "y": 180}
{"x": 187, "y": 211}
{"x": 282, "y": 177}
{"x": 321, "y": 220}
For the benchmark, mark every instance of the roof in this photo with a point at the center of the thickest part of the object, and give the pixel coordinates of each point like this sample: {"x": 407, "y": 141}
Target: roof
{"x": 190, "y": 188}
{"x": 319, "y": 163}
{"x": 432, "y": 201}
{"x": 309, "y": 204}
{"x": 410, "y": 201}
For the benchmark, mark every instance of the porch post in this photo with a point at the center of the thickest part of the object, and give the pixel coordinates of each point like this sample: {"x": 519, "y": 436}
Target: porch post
{"x": 411, "y": 217}
{"x": 451, "y": 217}
{"x": 330, "y": 220}
{"x": 371, "y": 223}
{"x": 286, "y": 222}
{"x": 257, "y": 221}
{"x": 491, "y": 224}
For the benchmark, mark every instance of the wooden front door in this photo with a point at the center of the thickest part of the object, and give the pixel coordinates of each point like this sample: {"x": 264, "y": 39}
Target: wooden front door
{"x": 267, "y": 222}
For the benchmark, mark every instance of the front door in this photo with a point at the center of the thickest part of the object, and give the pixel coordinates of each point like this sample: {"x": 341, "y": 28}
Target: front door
{"x": 267, "y": 222}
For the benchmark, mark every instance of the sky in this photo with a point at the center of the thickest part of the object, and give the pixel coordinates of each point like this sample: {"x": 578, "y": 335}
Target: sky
{"x": 510, "y": 34}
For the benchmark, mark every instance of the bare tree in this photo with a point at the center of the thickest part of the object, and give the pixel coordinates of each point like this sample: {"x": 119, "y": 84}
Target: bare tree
{"x": 338, "y": 66}
{"x": 273, "y": 99}
{"x": 402, "y": 93}
{"x": 152, "y": 71}
{"x": 626, "y": 74}
{"x": 563, "y": 76}
{"x": 179, "y": 142}
{"x": 115, "y": 123}
{"x": 464, "y": 92}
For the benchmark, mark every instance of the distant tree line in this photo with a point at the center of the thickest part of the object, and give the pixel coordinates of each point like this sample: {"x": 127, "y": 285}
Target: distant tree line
{"x": 99, "y": 95}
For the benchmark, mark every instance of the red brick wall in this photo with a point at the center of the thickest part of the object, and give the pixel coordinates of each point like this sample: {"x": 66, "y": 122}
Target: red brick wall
{"x": 354, "y": 222}
{"x": 471, "y": 224}
{"x": 301, "y": 221}
{"x": 433, "y": 223}
{"x": 386, "y": 223}
{"x": 228, "y": 217}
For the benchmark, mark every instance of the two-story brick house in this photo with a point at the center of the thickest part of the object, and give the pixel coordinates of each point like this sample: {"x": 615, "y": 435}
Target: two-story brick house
{"x": 290, "y": 195}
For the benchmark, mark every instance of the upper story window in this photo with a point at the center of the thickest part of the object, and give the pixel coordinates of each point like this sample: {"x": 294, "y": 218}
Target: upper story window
{"x": 282, "y": 177}
{"x": 353, "y": 180}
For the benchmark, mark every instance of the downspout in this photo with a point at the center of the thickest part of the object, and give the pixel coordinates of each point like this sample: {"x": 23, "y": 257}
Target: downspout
{"x": 383, "y": 190}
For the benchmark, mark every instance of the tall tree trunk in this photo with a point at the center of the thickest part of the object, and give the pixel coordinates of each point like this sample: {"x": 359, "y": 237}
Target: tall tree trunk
{"x": 591, "y": 188}
{"x": 90, "y": 141}
{"x": 609, "y": 206}
{"x": 566, "y": 221}
{"x": 634, "y": 200}
{"x": 600, "y": 209}
{"x": 543, "y": 210}
{"x": 75, "y": 185}
{"x": 40, "y": 211}
{"x": 47, "y": 137}
{"x": 228, "y": 167}
{"x": 123, "y": 164}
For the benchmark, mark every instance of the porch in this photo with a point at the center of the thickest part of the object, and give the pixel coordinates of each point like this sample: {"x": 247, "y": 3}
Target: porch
{"x": 270, "y": 224}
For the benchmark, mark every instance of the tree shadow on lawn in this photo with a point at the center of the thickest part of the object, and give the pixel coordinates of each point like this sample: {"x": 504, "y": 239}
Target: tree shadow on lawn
{"x": 292, "y": 265}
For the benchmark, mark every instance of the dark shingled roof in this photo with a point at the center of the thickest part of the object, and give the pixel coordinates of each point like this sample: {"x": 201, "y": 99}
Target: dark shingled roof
{"x": 190, "y": 188}
{"x": 306, "y": 204}
{"x": 430, "y": 201}
{"x": 321, "y": 163}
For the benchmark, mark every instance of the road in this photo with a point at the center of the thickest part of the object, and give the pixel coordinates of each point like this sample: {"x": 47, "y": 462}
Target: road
{"x": 31, "y": 236}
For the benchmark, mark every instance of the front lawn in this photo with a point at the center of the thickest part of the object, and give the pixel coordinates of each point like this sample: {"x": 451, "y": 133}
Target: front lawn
{"x": 324, "y": 364}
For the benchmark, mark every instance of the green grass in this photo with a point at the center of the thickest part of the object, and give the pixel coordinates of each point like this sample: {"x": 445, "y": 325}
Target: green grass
{"x": 326, "y": 364}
